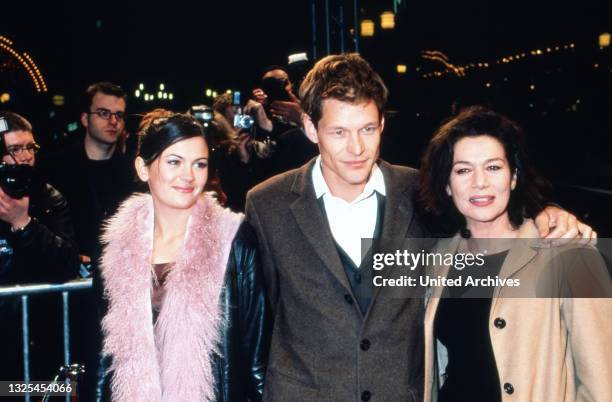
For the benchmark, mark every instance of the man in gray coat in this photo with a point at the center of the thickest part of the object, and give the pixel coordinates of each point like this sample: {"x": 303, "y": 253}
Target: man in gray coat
{"x": 336, "y": 336}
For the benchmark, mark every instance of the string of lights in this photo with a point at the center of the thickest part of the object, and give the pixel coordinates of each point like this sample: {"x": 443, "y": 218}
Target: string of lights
{"x": 28, "y": 64}
{"x": 460, "y": 71}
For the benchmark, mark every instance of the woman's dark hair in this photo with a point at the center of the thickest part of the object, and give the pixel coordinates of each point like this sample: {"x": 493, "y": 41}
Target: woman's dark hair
{"x": 526, "y": 199}
{"x": 163, "y": 129}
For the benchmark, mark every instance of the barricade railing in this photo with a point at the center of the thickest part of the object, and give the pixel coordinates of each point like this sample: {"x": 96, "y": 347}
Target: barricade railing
{"x": 25, "y": 291}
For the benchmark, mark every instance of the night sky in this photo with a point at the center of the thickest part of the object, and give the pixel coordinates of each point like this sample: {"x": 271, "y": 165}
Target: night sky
{"x": 227, "y": 43}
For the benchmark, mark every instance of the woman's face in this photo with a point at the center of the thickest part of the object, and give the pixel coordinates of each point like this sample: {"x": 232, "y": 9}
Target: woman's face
{"x": 480, "y": 181}
{"x": 177, "y": 177}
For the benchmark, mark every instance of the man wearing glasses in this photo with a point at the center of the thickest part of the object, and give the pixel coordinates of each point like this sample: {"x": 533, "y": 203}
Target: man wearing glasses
{"x": 36, "y": 235}
{"x": 95, "y": 177}
{"x": 37, "y": 244}
{"x": 92, "y": 173}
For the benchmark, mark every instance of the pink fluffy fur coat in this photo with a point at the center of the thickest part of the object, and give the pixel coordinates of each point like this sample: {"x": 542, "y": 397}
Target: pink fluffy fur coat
{"x": 171, "y": 360}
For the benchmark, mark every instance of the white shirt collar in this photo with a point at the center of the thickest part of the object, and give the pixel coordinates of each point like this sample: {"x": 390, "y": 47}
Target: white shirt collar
{"x": 376, "y": 183}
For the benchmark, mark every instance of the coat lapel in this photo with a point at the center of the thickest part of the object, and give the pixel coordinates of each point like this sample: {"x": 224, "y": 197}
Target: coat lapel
{"x": 314, "y": 225}
{"x": 398, "y": 216}
{"x": 520, "y": 254}
{"x": 399, "y": 209}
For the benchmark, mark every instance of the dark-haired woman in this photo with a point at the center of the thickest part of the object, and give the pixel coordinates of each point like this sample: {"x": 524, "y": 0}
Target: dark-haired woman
{"x": 185, "y": 317}
{"x": 506, "y": 344}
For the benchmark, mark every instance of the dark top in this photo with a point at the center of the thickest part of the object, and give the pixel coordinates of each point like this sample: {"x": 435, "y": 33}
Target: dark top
{"x": 360, "y": 277}
{"x": 45, "y": 249}
{"x": 462, "y": 325}
{"x": 157, "y": 298}
{"x": 93, "y": 189}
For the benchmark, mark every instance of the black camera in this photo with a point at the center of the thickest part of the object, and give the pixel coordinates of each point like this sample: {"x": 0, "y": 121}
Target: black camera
{"x": 15, "y": 179}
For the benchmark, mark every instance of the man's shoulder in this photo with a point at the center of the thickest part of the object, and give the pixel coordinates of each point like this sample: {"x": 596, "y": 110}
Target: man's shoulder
{"x": 276, "y": 185}
{"x": 398, "y": 171}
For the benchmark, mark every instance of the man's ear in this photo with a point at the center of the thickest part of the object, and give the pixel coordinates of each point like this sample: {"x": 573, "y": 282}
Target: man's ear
{"x": 142, "y": 170}
{"x": 382, "y": 124}
{"x": 84, "y": 120}
{"x": 310, "y": 129}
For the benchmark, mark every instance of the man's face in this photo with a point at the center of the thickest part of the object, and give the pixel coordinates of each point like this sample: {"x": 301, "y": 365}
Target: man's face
{"x": 348, "y": 136}
{"x": 16, "y": 143}
{"x": 281, "y": 76}
{"x": 100, "y": 129}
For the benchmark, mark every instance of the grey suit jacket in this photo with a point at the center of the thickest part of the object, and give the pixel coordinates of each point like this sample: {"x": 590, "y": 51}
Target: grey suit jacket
{"x": 323, "y": 348}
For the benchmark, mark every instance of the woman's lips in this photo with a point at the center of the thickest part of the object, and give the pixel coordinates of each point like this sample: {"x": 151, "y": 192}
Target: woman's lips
{"x": 186, "y": 190}
{"x": 482, "y": 200}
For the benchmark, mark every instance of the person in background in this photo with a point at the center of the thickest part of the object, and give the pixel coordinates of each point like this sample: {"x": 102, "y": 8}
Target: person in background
{"x": 508, "y": 344}
{"x": 37, "y": 244}
{"x": 95, "y": 177}
{"x": 92, "y": 173}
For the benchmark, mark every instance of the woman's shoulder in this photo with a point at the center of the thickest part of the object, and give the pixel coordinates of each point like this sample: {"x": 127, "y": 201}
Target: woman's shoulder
{"x": 245, "y": 235}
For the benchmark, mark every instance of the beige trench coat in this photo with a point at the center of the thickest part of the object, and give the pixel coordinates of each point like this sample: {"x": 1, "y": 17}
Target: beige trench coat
{"x": 546, "y": 349}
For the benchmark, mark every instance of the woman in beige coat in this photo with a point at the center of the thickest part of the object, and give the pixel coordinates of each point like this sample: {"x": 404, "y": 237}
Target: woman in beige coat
{"x": 537, "y": 328}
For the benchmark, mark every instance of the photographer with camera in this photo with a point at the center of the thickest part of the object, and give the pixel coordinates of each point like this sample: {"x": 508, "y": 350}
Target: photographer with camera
{"x": 36, "y": 234}
{"x": 37, "y": 244}
{"x": 238, "y": 145}
{"x": 278, "y": 100}
{"x": 292, "y": 149}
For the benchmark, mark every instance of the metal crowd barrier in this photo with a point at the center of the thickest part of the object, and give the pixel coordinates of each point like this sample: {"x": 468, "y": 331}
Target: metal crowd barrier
{"x": 25, "y": 291}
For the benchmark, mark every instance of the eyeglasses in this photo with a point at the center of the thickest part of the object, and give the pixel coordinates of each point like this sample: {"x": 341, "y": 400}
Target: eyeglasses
{"x": 107, "y": 114}
{"x": 17, "y": 150}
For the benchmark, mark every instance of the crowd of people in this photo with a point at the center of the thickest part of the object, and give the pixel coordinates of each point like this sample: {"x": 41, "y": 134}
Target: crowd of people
{"x": 195, "y": 300}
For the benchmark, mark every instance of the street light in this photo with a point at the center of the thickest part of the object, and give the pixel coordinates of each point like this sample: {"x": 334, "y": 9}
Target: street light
{"x": 367, "y": 28}
{"x": 401, "y": 68}
{"x": 387, "y": 20}
{"x": 604, "y": 40}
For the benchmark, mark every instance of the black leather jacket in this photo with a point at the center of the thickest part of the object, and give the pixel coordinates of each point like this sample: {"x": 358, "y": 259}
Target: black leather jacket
{"x": 241, "y": 366}
{"x": 45, "y": 249}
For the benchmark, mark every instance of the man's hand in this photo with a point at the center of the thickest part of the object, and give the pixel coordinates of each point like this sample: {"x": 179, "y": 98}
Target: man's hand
{"x": 260, "y": 96}
{"x": 258, "y": 112}
{"x": 244, "y": 142}
{"x": 290, "y": 111}
{"x": 14, "y": 211}
{"x": 563, "y": 224}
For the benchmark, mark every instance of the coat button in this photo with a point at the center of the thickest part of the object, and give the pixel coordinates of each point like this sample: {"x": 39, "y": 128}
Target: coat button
{"x": 366, "y": 395}
{"x": 499, "y": 323}
{"x": 365, "y": 345}
{"x": 348, "y": 298}
{"x": 508, "y": 388}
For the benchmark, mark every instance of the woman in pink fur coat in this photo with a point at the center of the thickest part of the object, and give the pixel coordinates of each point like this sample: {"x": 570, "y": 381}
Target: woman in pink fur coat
{"x": 185, "y": 311}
